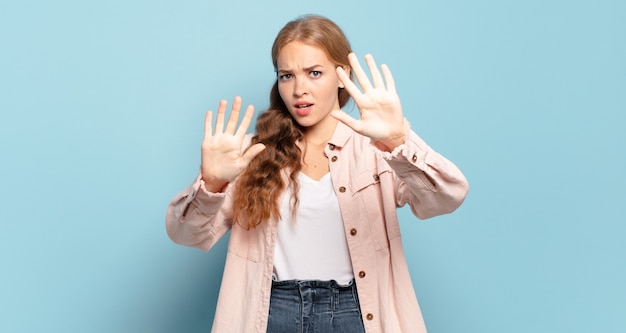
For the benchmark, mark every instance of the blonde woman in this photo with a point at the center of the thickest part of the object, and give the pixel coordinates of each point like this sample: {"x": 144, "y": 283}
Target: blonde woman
{"x": 310, "y": 198}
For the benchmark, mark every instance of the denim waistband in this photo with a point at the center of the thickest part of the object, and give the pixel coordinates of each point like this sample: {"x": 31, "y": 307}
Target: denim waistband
{"x": 332, "y": 284}
{"x": 316, "y": 295}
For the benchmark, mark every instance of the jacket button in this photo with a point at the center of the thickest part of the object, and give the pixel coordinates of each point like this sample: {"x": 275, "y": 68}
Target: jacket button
{"x": 414, "y": 158}
{"x": 376, "y": 178}
{"x": 331, "y": 146}
{"x": 369, "y": 316}
{"x": 361, "y": 274}
{"x": 353, "y": 232}
{"x": 333, "y": 159}
{"x": 342, "y": 189}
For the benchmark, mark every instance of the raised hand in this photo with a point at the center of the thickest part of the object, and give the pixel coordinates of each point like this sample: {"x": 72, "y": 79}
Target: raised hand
{"x": 222, "y": 156}
{"x": 379, "y": 105}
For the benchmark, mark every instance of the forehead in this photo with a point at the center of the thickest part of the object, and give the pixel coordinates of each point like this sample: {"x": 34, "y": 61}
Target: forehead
{"x": 300, "y": 55}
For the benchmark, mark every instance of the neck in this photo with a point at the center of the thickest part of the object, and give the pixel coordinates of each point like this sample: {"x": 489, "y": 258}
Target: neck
{"x": 321, "y": 133}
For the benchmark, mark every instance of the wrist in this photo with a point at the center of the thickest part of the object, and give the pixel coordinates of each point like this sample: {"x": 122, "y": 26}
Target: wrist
{"x": 389, "y": 144}
{"x": 213, "y": 186}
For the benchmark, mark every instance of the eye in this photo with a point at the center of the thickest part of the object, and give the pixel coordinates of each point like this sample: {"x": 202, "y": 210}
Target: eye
{"x": 284, "y": 77}
{"x": 316, "y": 73}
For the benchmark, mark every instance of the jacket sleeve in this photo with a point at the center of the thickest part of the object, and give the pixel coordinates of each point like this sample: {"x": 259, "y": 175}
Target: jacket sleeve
{"x": 427, "y": 181}
{"x": 198, "y": 218}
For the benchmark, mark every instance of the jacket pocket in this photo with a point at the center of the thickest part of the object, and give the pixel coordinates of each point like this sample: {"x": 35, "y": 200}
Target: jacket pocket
{"x": 244, "y": 243}
{"x": 368, "y": 193}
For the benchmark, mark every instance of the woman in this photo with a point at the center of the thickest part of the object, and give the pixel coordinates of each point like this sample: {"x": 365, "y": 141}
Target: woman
{"x": 311, "y": 198}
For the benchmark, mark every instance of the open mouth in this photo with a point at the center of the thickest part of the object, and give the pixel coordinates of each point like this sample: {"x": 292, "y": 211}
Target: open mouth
{"x": 303, "y": 109}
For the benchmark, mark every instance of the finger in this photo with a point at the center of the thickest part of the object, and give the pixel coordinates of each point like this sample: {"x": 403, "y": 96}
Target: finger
{"x": 251, "y": 152}
{"x": 364, "y": 81}
{"x": 234, "y": 116}
{"x": 391, "y": 84}
{"x": 207, "y": 124}
{"x": 377, "y": 79}
{"x": 245, "y": 122}
{"x": 219, "y": 121}
{"x": 346, "y": 119}
{"x": 350, "y": 87}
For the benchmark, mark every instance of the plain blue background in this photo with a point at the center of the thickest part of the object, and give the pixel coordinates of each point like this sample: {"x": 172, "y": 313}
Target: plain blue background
{"x": 102, "y": 105}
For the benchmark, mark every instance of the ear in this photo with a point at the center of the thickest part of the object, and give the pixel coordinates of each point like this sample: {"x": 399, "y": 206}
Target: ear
{"x": 346, "y": 69}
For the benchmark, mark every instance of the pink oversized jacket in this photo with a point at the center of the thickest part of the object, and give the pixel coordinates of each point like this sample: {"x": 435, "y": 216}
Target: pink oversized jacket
{"x": 370, "y": 185}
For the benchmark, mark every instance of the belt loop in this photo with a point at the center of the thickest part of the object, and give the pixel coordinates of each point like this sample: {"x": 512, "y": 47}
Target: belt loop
{"x": 299, "y": 287}
{"x": 355, "y": 294}
{"x": 336, "y": 297}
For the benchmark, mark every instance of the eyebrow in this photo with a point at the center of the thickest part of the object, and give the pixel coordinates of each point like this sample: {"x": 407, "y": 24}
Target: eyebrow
{"x": 306, "y": 69}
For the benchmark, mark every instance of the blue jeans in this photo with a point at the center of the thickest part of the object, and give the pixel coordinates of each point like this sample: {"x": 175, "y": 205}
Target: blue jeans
{"x": 314, "y": 307}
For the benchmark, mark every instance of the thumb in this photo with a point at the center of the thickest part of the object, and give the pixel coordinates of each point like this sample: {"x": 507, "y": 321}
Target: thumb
{"x": 253, "y": 151}
{"x": 346, "y": 119}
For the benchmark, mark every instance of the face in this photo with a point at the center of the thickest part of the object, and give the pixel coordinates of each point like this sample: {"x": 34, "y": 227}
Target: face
{"x": 308, "y": 84}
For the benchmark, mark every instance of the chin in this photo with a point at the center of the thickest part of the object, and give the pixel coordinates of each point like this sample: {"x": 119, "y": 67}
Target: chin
{"x": 306, "y": 121}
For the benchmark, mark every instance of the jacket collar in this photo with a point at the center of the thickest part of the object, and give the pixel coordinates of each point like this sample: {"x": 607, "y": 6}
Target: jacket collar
{"x": 341, "y": 135}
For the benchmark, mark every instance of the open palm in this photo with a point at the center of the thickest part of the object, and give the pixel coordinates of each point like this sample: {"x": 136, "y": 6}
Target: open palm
{"x": 379, "y": 106}
{"x": 223, "y": 158}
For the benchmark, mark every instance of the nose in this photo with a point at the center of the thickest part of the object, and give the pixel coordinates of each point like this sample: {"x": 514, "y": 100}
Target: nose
{"x": 299, "y": 88}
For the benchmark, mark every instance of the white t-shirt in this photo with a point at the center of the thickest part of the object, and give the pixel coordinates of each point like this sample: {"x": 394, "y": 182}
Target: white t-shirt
{"x": 314, "y": 246}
